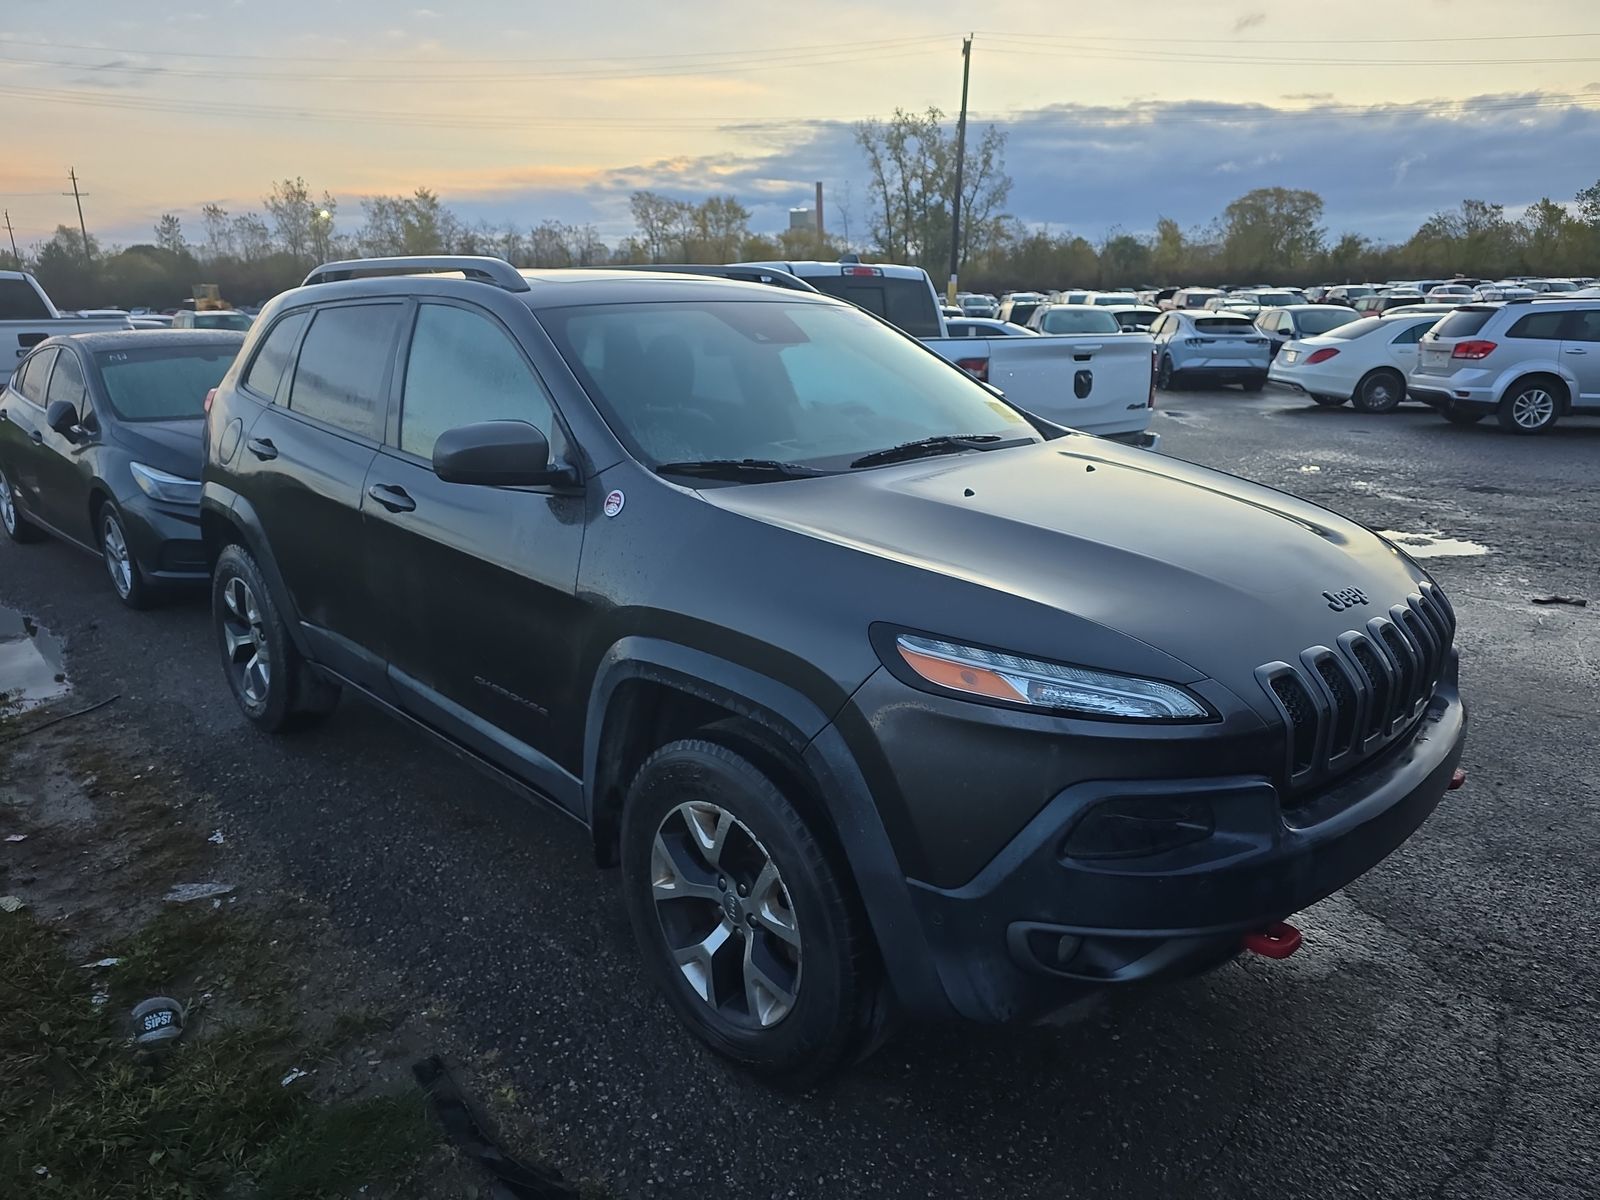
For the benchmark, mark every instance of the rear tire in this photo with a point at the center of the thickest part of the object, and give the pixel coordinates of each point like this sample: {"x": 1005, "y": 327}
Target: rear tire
{"x": 1166, "y": 377}
{"x": 1330, "y": 401}
{"x": 17, "y": 527}
{"x": 1254, "y": 385}
{"x": 749, "y": 926}
{"x": 1531, "y": 406}
{"x": 276, "y": 688}
{"x": 1463, "y": 416}
{"x": 1380, "y": 392}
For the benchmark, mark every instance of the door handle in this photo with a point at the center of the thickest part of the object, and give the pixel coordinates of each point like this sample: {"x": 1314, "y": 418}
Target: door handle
{"x": 37, "y": 436}
{"x": 262, "y": 448}
{"x": 392, "y": 498}
{"x": 5, "y": 417}
{"x": 1576, "y": 350}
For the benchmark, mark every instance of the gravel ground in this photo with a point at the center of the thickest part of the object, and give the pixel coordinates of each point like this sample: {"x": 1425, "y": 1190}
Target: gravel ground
{"x": 1436, "y": 1037}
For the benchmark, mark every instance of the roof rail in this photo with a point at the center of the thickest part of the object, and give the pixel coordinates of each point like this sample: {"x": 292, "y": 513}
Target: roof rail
{"x": 496, "y": 271}
{"x": 767, "y": 275}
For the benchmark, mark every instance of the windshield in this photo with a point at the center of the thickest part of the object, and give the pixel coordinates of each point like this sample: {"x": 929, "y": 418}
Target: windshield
{"x": 221, "y": 320}
{"x": 1323, "y": 319}
{"x": 1021, "y": 311}
{"x": 792, "y": 382}
{"x": 1078, "y": 318}
{"x": 1355, "y": 329}
{"x": 164, "y": 383}
{"x": 1118, "y": 298}
{"x": 1274, "y": 299}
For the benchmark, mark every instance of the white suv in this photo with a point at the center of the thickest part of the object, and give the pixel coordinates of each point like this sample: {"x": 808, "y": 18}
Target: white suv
{"x": 1530, "y": 362}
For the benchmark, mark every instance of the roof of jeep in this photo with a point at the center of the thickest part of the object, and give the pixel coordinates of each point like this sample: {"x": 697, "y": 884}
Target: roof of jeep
{"x": 561, "y": 288}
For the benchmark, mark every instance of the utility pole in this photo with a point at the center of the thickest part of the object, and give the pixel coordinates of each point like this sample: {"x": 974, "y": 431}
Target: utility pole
{"x": 72, "y": 174}
{"x": 961, "y": 154}
{"x": 12, "y": 234}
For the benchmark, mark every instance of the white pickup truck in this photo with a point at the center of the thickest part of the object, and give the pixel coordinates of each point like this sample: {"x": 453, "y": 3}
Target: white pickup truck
{"x": 27, "y": 317}
{"x": 1100, "y": 383}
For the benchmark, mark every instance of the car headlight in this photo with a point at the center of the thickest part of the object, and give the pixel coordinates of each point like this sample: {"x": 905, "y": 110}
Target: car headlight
{"x": 159, "y": 485}
{"x": 1046, "y": 685}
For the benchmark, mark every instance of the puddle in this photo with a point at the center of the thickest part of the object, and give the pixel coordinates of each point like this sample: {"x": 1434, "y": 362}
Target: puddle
{"x": 31, "y": 670}
{"x": 1432, "y": 545}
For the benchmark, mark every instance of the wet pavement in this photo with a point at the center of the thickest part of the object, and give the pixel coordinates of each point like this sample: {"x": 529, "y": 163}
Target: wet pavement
{"x": 1439, "y": 1035}
{"x": 32, "y": 668}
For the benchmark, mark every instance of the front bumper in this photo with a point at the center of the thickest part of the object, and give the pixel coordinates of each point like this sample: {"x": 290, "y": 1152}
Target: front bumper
{"x": 1041, "y": 925}
{"x": 165, "y": 539}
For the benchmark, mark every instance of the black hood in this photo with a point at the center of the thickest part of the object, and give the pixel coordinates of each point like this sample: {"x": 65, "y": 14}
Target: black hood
{"x": 1220, "y": 573}
{"x": 177, "y": 447}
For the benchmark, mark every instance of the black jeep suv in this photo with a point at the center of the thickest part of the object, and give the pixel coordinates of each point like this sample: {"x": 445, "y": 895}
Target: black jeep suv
{"x": 885, "y": 696}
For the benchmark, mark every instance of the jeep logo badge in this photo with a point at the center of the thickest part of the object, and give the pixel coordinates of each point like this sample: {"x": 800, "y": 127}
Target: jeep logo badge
{"x": 1344, "y": 598}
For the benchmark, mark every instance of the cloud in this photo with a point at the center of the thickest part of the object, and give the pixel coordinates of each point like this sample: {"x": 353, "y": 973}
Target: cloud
{"x": 1249, "y": 21}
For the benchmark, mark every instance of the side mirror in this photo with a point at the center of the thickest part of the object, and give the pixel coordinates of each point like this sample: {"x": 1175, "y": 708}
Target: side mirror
{"x": 498, "y": 454}
{"x": 62, "y": 417}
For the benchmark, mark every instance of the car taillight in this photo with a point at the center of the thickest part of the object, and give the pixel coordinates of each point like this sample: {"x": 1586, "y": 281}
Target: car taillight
{"x": 1473, "y": 350}
{"x": 978, "y": 368}
{"x": 1323, "y": 355}
{"x": 869, "y": 271}
{"x": 210, "y": 396}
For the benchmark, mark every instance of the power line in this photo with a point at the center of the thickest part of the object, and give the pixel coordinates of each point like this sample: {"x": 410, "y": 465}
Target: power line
{"x": 1300, "y": 41}
{"x": 1031, "y": 47}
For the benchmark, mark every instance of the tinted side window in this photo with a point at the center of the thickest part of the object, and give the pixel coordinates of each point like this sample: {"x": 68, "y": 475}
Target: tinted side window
{"x": 1542, "y": 325}
{"x": 66, "y": 382}
{"x": 272, "y": 360}
{"x": 339, "y": 377}
{"x": 38, "y": 375}
{"x": 19, "y": 302}
{"x": 1410, "y": 337}
{"x": 462, "y": 368}
{"x": 1585, "y": 326}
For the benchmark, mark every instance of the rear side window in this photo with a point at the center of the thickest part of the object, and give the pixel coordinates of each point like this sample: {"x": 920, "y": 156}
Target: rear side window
{"x": 1541, "y": 325}
{"x": 38, "y": 375}
{"x": 272, "y": 360}
{"x": 463, "y": 369}
{"x": 19, "y": 302}
{"x": 1413, "y": 335}
{"x": 339, "y": 377}
{"x": 1463, "y": 323}
{"x": 1354, "y": 329}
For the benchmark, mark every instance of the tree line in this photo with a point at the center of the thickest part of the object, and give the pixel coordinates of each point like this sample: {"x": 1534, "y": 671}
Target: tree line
{"x": 1274, "y": 235}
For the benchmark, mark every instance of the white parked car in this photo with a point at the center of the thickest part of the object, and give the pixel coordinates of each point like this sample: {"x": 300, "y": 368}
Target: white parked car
{"x": 1504, "y": 290}
{"x": 1459, "y": 292}
{"x": 1366, "y": 362}
{"x": 1111, "y": 299}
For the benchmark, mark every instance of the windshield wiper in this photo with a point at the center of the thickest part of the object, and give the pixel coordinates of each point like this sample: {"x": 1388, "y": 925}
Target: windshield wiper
{"x": 947, "y": 443}
{"x": 752, "y": 469}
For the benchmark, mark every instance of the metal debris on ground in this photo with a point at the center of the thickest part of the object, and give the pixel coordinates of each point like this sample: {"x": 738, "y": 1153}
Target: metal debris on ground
{"x": 11, "y": 904}
{"x": 99, "y": 964}
{"x": 17, "y": 837}
{"x": 295, "y": 1074}
{"x": 157, "y": 1021}
{"x": 216, "y": 838}
{"x": 1574, "y": 601}
{"x": 186, "y": 893}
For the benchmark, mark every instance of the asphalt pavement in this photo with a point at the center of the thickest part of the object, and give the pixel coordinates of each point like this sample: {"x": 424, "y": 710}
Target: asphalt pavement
{"x": 1438, "y": 1036}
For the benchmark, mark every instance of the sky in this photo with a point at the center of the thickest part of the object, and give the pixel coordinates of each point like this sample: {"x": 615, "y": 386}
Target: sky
{"x": 525, "y": 110}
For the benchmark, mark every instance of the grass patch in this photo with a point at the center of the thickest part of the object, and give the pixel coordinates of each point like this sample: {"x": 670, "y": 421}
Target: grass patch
{"x": 208, "y": 1117}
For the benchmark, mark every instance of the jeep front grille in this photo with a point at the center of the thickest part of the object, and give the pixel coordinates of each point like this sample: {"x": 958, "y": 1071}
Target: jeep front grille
{"x": 1343, "y": 703}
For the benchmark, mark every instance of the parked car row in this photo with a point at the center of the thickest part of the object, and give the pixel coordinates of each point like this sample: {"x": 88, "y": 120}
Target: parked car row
{"x": 767, "y": 597}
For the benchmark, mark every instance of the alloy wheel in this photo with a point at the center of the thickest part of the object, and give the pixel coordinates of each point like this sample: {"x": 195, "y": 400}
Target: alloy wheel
{"x": 1533, "y": 408}
{"x": 8, "y": 506}
{"x": 725, "y": 914}
{"x": 245, "y": 641}
{"x": 115, "y": 548}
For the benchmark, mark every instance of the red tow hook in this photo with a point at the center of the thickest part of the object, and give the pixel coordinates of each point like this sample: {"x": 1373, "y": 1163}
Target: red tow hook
{"x": 1458, "y": 779}
{"x": 1278, "y": 940}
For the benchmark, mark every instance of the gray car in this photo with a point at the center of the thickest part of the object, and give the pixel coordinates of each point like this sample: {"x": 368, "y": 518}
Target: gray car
{"x": 1210, "y": 347}
{"x": 1293, "y": 321}
{"x": 1530, "y": 362}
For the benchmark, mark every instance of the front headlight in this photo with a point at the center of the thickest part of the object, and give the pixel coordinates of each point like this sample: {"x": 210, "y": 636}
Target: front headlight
{"x": 1045, "y": 685}
{"x": 159, "y": 485}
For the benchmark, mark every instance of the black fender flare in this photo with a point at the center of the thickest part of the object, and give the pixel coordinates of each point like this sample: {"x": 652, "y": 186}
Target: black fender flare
{"x": 239, "y": 515}
{"x": 841, "y": 789}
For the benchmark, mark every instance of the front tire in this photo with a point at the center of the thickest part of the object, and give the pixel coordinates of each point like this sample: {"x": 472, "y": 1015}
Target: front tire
{"x": 747, "y": 924}
{"x": 1530, "y": 407}
{"x": 17, "y": 526}
{"x": 127, "y": 581}
{"x": 1380, "y": 392}
{"x": 275, "y": 687}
